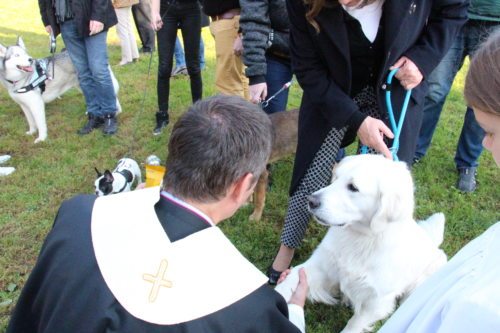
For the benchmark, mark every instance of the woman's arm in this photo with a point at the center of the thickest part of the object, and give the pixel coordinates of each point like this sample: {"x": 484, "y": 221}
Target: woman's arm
{"x": 446, "y": 19}
{"x": 311, "y": 71}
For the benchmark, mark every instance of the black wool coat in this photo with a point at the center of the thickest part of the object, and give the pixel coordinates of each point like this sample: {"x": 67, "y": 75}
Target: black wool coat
{"x": 421, "y": 30}
{"x": 84, "y": 11}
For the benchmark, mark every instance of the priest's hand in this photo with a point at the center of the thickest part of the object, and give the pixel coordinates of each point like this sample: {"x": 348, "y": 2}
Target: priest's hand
{"x": 300, "y": 294}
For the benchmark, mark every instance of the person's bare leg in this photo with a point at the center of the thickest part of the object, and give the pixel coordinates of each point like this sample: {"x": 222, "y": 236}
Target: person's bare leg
{"x": 283, "y": 258}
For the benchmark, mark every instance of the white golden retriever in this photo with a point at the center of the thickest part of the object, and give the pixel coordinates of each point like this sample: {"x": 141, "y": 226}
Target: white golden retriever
{"x": 374, "y": 251}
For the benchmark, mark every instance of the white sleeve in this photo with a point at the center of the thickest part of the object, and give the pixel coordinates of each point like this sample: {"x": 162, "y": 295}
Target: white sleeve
{"x": 296, "y": 316}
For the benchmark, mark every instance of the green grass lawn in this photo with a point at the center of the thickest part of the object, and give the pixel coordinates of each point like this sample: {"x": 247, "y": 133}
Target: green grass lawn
{"x": 62, "y": 166}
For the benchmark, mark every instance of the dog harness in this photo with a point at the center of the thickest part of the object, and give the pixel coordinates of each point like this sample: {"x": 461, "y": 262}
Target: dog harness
{"x": 37, "y": 79}
{"x": 128, "y": 177}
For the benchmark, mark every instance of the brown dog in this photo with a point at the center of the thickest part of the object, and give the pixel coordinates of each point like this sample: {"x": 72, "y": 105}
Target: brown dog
{"x": 285, "y": 127}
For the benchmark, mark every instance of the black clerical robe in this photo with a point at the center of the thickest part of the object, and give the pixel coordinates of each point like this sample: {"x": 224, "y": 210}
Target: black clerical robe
{"x": 66, "y": 291}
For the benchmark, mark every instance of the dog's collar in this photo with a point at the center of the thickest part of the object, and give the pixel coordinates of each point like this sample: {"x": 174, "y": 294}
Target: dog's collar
{"x": 37, "y": 79}
{"x": 129, "y": 177}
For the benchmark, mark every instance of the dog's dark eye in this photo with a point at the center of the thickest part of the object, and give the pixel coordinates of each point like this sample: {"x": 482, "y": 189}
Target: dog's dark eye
{"x": 352, "y": 188}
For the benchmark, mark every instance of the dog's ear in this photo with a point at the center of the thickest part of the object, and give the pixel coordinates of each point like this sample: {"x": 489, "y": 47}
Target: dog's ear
{"x": 396, "y": 197}
{"x": 99, "y": 174}
{"x": 3, "y": 50}
{"x": 20, "y": 42}
{"x": 108, "y": 176}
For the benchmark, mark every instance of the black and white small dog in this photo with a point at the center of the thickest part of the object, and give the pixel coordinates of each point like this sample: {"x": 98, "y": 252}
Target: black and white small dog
{"x": 120, "y": 180}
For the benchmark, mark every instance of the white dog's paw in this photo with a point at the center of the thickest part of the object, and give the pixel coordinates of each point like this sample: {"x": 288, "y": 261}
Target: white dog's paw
{"x": 288, "y": 286}
{"x": 38, "y": 140}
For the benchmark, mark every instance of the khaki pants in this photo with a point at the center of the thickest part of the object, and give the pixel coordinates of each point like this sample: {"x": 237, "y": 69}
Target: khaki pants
{"x": 230, "y": 76}
{"x": 126, "y": 35}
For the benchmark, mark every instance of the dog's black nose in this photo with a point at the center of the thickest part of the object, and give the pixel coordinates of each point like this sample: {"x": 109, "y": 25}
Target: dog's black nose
{"x": 30, "y": 60}
{"x": 313, "y": 202}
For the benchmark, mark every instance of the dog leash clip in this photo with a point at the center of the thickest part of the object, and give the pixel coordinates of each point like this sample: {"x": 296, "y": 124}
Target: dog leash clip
{"x": 52, "y": 44}
{"x": 265, "y": 103}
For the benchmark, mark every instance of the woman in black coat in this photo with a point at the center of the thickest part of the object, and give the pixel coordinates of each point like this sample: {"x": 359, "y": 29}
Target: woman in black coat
{"x": 341, "y": 54}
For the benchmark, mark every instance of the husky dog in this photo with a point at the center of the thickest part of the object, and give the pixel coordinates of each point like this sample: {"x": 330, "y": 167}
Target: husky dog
{"x": 120, "y": 180}
{"x": 22, "y": 76}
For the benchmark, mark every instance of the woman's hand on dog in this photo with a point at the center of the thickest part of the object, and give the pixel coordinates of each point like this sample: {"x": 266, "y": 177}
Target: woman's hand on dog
{"x": 371, "y": 133}
{"x": 300, "y": 294}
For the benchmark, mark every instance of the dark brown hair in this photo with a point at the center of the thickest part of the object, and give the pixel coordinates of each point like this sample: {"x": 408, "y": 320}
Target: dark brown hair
{"x": 216, "y": 142}
{"x": 482, "y": 84}
{"x": 315, "y": 6}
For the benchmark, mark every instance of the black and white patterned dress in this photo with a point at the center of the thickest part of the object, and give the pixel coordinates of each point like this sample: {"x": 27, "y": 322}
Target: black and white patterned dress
{"x": 319, "y": 173}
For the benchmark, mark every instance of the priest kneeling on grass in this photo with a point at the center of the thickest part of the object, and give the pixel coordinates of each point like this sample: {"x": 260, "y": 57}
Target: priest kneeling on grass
{"x": 153, "y": 260}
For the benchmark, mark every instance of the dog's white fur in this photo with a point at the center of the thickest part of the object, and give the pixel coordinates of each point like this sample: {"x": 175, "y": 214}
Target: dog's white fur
{"x": 119, "y": 182}
{"x": 14, "y": 62}
{"x": 374, "y": 251}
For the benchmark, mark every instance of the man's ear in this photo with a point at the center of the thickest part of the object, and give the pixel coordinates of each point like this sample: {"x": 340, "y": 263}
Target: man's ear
{"x": 242, "y": 188}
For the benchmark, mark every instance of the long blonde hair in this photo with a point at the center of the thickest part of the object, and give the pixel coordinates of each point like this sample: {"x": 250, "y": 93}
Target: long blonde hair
{"x": 315, "y": 6}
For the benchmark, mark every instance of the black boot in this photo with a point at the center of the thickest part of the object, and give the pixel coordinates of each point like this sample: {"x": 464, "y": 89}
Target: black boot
{"x": 110, "y": 124}
{"x": 93, "y": 122}
{"x": 161, "y": 121}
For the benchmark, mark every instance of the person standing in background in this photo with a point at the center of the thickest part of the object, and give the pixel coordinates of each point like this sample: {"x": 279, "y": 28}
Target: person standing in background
{"x": 484, "y": 17}
{"x": 266, "y": 53}
{"x": 142, "y": 18}
{"x": 125, "y": 32}
{"x": 180, "y": 60}
{"x": 167, "y": 17}
{"x": 230, "y": 76}
{"x": 84, "y": 26}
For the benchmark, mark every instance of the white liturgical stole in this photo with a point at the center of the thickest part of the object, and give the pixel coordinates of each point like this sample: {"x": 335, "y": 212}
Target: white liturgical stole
{"x": 162, "y": 282}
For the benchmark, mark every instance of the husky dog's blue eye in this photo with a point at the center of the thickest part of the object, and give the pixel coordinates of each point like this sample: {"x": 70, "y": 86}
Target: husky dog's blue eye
{"x": 352, "y": 188}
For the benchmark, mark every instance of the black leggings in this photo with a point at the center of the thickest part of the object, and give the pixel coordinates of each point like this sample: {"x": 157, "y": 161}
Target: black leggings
{"x": 187, "y": 17}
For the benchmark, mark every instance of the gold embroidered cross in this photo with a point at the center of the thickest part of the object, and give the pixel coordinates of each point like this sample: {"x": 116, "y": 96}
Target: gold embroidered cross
{"x": 157, "y": 280}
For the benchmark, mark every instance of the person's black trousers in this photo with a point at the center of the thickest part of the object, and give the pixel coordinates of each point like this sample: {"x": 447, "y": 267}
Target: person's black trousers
{"x": 187, "y": 17}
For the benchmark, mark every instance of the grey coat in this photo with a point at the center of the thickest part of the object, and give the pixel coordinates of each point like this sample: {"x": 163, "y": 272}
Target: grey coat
{"x": 258, "y": 18}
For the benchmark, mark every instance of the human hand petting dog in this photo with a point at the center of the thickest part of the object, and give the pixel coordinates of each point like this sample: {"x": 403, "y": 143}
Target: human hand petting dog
{"x": 300, "y": 294}
{"x": 408, "y": 74}
{"x": 95, "y": 27}
{"x": 371, "y": 133}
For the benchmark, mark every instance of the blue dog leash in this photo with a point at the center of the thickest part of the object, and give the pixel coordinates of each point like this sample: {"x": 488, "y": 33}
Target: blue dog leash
{"x": 396, "y": 128}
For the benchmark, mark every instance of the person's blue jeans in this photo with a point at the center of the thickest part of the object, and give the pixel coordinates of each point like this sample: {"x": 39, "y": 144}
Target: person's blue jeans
{"x": 180, "y": 60}
{"x": 279, "y": 72}
{"x": 90, "y": 58}
{"x": 469, "y": 145}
